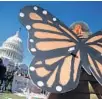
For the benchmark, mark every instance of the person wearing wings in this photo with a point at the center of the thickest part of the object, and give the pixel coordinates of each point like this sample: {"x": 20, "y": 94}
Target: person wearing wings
{"x": 88, "y": 87}
{"x": 60, "y": 53}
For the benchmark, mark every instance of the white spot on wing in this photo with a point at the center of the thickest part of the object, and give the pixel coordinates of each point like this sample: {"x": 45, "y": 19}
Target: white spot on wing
{"x": 28, "y": 27}
{"x": 31, "y": 40}
{"x": 21, "y": 14}
{"x": 33, "y": 49}
{"x": 40, "y": 83}
{"x": 32, "y": 68}
{"x": 58, "y": 88}
{"x": 35, "y": 8}
{"x": 44, "y": 12}
{"x": 54, "y": 19}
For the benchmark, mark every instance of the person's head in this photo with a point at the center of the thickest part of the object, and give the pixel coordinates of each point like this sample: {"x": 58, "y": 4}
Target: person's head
{"x": 1, "y": 61}
{"x": 80, "y": 28}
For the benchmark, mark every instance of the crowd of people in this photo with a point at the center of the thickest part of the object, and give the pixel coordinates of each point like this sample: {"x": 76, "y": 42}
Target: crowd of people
{"x": 6, "y": 78}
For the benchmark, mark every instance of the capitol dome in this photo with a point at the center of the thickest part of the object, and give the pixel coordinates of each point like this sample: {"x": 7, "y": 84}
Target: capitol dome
{"x": 12, "y": 49}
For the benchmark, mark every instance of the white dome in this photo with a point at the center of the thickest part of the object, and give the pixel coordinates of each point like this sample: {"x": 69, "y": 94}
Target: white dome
{"x": 14, "y": 38}
{"x": 12, "y": 49}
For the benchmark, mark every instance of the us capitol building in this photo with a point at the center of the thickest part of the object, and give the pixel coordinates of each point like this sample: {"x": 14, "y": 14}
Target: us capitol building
{"x": 12, "y": 51}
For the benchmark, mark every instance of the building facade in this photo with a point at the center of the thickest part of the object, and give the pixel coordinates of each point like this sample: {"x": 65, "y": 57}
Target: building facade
{"x": 12, "y": 49}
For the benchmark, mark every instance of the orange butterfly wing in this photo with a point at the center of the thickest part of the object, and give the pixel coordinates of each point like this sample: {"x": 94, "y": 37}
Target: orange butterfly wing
{"x": 51, "y": 42}
{"x": 54, "y": 46}
{"x": 94, "y": 55}
{"x": 58, "y": 74}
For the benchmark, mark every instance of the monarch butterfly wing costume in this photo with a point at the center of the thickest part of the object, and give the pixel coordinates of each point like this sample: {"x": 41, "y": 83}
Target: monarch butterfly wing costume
{"x": 53, "y": 68}
{"x": 92, "y": 55}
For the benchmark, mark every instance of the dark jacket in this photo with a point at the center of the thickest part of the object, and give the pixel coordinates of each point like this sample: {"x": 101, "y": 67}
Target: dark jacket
{"x": 2, "y": 71}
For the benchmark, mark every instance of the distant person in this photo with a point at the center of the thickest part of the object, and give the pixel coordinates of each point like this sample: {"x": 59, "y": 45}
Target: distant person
{"x": 2, "y": 72}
